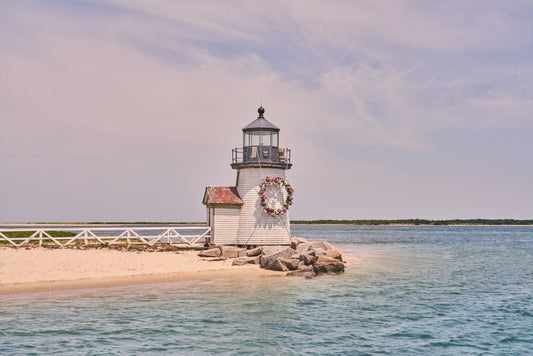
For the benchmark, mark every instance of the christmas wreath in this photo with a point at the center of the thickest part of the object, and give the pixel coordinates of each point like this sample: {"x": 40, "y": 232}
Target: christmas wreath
{"x": 281, "y": 182}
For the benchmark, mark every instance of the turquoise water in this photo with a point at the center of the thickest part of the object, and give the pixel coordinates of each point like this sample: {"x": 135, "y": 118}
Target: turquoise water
{"x": 407, "y": 291}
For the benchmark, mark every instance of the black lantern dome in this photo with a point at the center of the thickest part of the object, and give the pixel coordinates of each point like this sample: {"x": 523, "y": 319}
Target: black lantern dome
{"x": 260, "y": 123}
{"x": 260, "y": 146}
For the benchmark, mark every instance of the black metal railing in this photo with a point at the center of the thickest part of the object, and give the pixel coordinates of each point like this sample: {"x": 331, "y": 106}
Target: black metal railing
{"x": 261, "y": 154}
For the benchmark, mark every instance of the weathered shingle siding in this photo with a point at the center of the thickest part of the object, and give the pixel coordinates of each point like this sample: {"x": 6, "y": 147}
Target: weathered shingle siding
{"x": 226, "y": 225}
{"x": 255, "y": 226}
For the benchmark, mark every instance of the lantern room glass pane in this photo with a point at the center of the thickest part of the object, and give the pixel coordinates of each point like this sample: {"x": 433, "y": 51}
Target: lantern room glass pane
{"x": 246, "y": 139}
{"x": 274, "y": 139}
{"x": 255, "y": 139}
{"x": 265, "y": 138}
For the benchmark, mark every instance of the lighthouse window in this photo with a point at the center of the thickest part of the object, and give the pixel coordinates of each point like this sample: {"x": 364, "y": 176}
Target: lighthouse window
{"x": 275, "y": 139}
{"x": 265, "y": 138}
{"x": 255, "y": 137}
{"x": 247, "y": 139}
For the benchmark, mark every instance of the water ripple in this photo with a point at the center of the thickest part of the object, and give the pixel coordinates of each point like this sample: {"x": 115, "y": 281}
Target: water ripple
{"x": 412, "y": 291}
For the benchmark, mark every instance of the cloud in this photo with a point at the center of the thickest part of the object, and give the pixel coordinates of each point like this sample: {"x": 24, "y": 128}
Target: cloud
{"x": 132, "y": 107}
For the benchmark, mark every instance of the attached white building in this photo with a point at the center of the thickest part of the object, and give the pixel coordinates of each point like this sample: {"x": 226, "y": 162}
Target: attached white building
{"x": 255, "y": 211}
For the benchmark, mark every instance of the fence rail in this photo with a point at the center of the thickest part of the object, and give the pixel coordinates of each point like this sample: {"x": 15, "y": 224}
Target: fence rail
{"x": 110, "y": 235}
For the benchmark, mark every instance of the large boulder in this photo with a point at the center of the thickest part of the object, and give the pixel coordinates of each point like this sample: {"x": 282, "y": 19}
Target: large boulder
{"x": 270, "y": 255}
{"x": 326, "y": 264}
{"x": 333, "y": 252}
{"x": 301, "y": 265}
{"x": 254, "y": 252}
{"x": 272, "y": 250}
{"x": 212, "y": 252}
{"x": 255, "y": 260}
{"x": 295, "y": 241}
{"x": 290, "y": 263}
{"x": 239, "y": 262}
{"x": 308, "y": 257}
{"x": 323, "y": 248}
{"x": 232, "y": 251}
{"x": 277, "y": 265}
{"x": 304, "y": 271}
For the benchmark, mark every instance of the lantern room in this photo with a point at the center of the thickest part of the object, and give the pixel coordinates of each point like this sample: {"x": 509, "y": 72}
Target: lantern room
{"x": 260, "y": 146}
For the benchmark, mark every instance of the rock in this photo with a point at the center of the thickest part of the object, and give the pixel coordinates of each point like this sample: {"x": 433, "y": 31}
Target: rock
{"x": 229, "y": 251}
{"x": 326, "y": 264}
{"x": 335, "y": 268}
{"x": 305, "y": 271}
{"x": 299, "y": 273}
{"x": 322, "y": 245}
{"x": 277, "y": 265}
{"x": 303, "y": 247}
{"x": 239, "y": 262}
{"x": 254, "y": 260}
{"x": 213, "y": 252}
{"x": 254, "y": 252}
{"x": 271, "y": 250}
{"x": 295, "y": 241}
{"x": 262, "y": 261}
{"x": 333, "y": 252}
{"x": 290, "y": 263}
{"x": 283, "y": 264}
{"x": 319, "y": 251}
{"x": 308, "y": 257}
{"x": 306, "y": 268}
{"x": 325, "y": 259}
{"x": 268, "y": 259}
{"x": 320, "y": 248}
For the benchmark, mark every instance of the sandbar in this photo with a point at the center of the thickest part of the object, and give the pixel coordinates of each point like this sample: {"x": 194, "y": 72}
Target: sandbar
{"x": 44, "y": 269}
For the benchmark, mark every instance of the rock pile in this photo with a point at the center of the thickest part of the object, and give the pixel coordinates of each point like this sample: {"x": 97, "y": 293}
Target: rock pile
{"x": 302, "y": 258}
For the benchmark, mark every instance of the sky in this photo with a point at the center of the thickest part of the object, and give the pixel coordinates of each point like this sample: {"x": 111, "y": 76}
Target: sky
{"x": 124, "y": 110}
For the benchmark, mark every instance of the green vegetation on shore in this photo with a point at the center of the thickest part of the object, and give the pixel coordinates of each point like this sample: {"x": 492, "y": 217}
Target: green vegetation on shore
{"x": 415, "y": 222}
{"x": 307, "y": 222}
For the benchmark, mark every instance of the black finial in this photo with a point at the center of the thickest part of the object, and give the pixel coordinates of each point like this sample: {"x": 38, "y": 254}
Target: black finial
{"x": 261, "y": 111}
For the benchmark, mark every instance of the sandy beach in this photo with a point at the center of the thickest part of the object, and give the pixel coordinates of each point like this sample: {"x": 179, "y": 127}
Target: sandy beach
{"x": 42, "y": 269}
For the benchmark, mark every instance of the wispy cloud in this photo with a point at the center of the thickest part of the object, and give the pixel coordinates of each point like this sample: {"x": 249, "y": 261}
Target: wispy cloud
{"x": 123, "y": 97}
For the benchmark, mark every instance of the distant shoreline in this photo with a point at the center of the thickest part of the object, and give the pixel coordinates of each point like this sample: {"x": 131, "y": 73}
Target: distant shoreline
{"x": 360, "y": 222}
{"x": 432, "y": 225}
{"x": 418, "y": 222}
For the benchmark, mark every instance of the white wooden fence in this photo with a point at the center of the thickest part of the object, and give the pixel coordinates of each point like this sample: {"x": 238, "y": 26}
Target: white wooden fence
{"x": 109, "y": 235}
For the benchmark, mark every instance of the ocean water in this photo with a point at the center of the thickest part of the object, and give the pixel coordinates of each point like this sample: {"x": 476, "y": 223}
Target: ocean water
{"x": 407, "y": 291}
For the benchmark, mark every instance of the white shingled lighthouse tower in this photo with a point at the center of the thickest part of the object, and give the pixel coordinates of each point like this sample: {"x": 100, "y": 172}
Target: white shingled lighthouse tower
{"x": 255, "y": 211}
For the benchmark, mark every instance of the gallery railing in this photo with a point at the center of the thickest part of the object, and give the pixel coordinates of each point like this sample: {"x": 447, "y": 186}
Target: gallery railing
{"x": 263, "y": 154}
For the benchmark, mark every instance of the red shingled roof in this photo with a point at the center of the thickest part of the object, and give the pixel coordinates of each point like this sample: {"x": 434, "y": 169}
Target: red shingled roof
{"x": 222, "y": 195}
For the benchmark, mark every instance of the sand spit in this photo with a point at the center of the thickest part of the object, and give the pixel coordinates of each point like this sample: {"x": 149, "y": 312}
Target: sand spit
{"x": 44, "y": 269}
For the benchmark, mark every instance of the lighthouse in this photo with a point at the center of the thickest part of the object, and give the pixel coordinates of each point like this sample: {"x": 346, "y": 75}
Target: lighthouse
{"x": 256, "y": 210}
